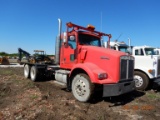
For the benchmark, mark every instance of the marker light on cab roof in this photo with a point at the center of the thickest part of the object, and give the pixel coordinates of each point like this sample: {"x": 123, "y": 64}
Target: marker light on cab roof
{"x": 91, "y": 27}
{"x": 69, "y": 24}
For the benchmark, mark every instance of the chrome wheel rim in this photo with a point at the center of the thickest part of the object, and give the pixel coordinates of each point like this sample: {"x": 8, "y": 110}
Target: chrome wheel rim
{"x": 138, "y": 81}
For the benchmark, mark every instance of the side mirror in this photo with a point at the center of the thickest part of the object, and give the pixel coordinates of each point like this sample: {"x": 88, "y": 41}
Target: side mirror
{"x": 105, "y": 44}
{"x": 72, "y": 38}
{"x": 129, "y": 50}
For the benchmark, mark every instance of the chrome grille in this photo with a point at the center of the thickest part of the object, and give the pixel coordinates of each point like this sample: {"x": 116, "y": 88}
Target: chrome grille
{"x": 123, "y": 69}
{"x": 131, "y": 69}
{"x": 126, "y": 67}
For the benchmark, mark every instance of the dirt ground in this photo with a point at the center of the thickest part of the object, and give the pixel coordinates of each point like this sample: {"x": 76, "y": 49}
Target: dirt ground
{"x": 21, "y": 98}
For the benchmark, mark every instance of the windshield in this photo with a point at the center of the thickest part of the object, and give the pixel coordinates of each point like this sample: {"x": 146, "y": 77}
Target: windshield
{"x": 123, "y": 49}
{"x": 85, "y": 39}
{"x": 150, "y": 51}
{"x": 157, "y": 52}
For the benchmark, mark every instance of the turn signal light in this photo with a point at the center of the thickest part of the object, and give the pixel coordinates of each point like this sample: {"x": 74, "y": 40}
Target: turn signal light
{"x": 102, "y": 76}
{"x": 150, "y": 71}
{"x": 81, "y": 61}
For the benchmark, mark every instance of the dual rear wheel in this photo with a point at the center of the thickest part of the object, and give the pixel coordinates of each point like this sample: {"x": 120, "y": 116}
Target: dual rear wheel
{"x": 27, "y": 71}
{"x": 30, "y": 72}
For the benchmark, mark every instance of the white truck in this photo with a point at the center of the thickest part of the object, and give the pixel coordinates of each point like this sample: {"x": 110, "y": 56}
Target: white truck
{"x": 157, "y": 51}
{"x": 147, "y": 64}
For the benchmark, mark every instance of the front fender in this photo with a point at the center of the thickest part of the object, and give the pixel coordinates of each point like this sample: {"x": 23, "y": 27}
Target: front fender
{"x": 145, "y": 70}
{"x": 91, "y": 69}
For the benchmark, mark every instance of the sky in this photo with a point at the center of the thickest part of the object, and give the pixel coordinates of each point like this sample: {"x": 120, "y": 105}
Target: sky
{"x": 33, "y": 24}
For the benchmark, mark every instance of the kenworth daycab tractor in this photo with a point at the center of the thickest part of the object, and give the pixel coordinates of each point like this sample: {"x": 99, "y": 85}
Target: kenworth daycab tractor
{"x": 147, "y": 64}
{"x": 82, "y": 64}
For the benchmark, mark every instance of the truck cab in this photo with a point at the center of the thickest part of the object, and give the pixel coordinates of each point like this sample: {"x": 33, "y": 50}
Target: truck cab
{"x": 147, "y": 61}
{"x": 147, "y": 64}
{"x": 120, "y": 46}
{"x": 85, "y": 66}
{"x": 81, "y": 52}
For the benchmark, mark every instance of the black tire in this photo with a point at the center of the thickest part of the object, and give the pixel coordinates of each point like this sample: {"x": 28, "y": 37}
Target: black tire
{"x": 82, "y": 88}
{"x": 27, "y": 71}
{"x": 34, "y": 73}
{"x": 141, "y": 80}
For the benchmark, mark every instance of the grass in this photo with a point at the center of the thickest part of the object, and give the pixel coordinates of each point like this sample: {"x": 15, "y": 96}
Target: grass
{"x": 4, "y": 90}
{"x": 102, "y": 117}
{"x": 2, "y": 94}
{"x": 16, "y": 81}
{"x": 33, "y": 97}
{"x": 11, "y": 71}
{"x": 30, "y": 85}
{"x": 153, "y": 96}
{"x": 6, "y": 72}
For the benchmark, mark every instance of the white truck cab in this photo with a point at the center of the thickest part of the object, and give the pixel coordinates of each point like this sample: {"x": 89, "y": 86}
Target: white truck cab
{"x": 147, "y": 63}
{"x": 120, "y": 46}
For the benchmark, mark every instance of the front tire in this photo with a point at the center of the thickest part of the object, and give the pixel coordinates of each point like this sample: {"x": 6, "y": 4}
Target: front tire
{"x": 141, "y": 80}
{"x": 27, "y": 71}
{"x": 82, "y": 88}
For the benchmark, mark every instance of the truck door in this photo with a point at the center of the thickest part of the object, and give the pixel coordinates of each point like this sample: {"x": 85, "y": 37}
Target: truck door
{"x": 69, "y": 52}
{"x": 141, "y": 60}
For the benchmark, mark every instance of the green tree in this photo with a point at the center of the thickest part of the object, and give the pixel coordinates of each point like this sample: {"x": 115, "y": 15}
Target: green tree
{"x": 3, "y": 53}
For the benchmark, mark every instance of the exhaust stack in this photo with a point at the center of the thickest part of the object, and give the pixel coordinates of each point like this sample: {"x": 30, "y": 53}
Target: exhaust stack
{"x": 58, "y": 41}
{"x": 60, "y": 27}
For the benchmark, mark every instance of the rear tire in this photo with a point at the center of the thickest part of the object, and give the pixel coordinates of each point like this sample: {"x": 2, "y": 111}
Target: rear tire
{"x": 27, "y": 71}
{"x": 34, "y": 73}
{"x": 82, "y": 88}
{"x": 141, "y": 80}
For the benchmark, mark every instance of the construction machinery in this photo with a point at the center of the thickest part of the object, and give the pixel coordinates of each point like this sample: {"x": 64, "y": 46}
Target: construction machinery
{"x": 4, "y": 61}
{"x": 22, "y": 52}
{"x": 41, "y": 57}
{"x": 147, "y": 64}
{"x": 38, "y": 57}
{"x": 84, "y": 66}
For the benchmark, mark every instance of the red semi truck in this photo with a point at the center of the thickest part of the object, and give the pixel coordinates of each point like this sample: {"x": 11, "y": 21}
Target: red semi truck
{"x": 83, "y": 65}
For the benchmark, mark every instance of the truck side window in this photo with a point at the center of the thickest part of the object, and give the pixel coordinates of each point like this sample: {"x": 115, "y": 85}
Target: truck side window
{"x": 139, "y": 52}
{"x": 136, "y": 52}
{"x": 72, "y": 43}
